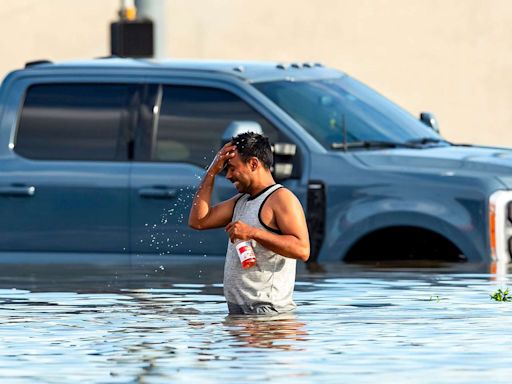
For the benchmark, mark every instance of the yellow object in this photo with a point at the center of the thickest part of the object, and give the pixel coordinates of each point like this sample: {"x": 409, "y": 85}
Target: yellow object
{"x": 130, "y": 13}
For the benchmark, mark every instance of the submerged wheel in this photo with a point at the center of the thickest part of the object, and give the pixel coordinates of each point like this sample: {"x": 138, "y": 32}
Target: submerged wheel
{"x": 404, "y": 244}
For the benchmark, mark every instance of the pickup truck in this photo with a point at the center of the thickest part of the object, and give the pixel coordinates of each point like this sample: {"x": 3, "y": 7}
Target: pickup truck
{"x": 103, "y": 157}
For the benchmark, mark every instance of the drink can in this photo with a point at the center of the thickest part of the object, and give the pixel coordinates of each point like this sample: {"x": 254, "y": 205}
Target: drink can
{"x": 246, "y": 253}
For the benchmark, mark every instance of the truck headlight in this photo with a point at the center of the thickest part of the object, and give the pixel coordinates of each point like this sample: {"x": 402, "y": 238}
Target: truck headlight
{"x": 500, "y": 225}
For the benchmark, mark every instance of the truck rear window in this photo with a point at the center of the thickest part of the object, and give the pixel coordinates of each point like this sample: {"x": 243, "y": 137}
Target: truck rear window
{"x": 75, "y": 122}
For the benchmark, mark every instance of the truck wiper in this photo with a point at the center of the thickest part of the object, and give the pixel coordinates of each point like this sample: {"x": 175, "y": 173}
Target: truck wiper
{"x": 426, "y": 140}
{"x": 372, "y": 144}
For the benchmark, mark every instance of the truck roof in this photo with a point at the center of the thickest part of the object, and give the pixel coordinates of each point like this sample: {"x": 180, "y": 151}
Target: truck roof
{"x": 251, "y": 71}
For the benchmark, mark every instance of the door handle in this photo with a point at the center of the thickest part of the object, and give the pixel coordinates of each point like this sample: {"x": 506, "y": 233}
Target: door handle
{"x": 158, "y": 193}
{"x": 18, "y": 191}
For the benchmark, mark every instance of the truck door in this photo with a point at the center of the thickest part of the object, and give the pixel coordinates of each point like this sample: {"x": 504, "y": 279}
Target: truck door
{"x": 65, "y": 185}
{"x": 180, "y": 133}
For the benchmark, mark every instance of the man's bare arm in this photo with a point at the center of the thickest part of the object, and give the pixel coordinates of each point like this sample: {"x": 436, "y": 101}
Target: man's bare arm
{"x": 202, "y": 214}
{"x": 293, "y": 241}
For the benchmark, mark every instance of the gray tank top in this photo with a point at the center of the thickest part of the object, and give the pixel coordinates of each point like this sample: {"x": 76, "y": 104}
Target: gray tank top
{"x": 267, "y": 286}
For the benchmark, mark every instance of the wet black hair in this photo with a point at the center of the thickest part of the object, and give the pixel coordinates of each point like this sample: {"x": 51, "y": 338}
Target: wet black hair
{"x": 250, "y": 144}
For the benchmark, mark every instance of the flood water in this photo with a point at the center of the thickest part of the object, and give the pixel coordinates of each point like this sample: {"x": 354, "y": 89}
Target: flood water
{"x": 167, "y": 323}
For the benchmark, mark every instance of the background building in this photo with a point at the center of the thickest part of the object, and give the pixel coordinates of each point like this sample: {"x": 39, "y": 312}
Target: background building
{"x": 449, "y": 57}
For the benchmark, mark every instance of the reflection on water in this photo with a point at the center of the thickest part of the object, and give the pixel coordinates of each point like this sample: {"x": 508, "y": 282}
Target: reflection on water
{"x": 277, "y": 332}
{"x": 143, "y": 323}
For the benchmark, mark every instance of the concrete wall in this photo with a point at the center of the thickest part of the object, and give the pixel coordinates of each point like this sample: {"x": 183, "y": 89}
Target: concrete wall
{"x": 449, "y": 57}
{"x": 54, "y": 29}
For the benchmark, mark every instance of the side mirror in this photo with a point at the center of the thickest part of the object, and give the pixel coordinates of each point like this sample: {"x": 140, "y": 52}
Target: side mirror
{"x": 283, "y": 160}
{"x": 283, "y": 152}
{"x": 237, "y": 127}
{"x": 429, "y": 119}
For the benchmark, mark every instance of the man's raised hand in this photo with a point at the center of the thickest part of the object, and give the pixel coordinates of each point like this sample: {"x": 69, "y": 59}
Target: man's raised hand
{"x": 219, "y": 162}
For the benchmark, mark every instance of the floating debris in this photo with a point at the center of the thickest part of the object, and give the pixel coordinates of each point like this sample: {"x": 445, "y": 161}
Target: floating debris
{"x": 501, "y": 295}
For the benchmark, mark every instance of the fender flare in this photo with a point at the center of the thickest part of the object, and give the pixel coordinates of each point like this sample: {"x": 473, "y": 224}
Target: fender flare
{"x": 357, "y": 231}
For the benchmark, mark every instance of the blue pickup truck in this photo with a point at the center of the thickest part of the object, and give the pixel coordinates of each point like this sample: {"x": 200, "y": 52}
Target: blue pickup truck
{"x": 103, "y": 157}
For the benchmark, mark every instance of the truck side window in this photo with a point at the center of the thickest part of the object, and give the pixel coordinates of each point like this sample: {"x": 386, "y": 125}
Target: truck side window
{"x": 193, "y": 119}
{"x": 75, "y": 122}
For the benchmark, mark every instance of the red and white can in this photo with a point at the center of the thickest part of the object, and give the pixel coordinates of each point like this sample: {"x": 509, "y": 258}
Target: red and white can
{"x": 246, "y": 253}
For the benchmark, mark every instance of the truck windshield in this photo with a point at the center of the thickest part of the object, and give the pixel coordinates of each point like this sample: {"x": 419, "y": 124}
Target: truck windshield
{"x": 343, "y": 109}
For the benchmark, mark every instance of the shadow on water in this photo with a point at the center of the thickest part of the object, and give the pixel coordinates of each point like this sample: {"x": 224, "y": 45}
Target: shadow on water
{"x": 79, "y": 273}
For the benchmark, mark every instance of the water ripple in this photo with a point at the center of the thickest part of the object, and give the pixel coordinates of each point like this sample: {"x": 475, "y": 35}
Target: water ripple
{"x": 349, "y": 327}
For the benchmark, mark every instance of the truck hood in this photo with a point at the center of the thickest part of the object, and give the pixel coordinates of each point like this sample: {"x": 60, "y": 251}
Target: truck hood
{"x": 472, "y": 161}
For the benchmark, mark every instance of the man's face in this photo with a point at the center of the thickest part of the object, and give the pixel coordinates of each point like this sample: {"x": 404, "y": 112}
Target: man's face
{"x": 239, "y": 174}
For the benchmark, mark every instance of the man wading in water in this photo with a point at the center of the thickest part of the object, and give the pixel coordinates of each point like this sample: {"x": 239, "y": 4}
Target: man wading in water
{"x": 262, "y": 211}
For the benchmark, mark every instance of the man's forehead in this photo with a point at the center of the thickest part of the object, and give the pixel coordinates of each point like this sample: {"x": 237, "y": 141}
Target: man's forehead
{"x": 235, "y": 159}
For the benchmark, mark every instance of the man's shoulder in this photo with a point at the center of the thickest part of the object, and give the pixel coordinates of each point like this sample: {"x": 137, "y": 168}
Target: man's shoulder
{"x": 282, "y": 191}
{"x": 282, "y": 195}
